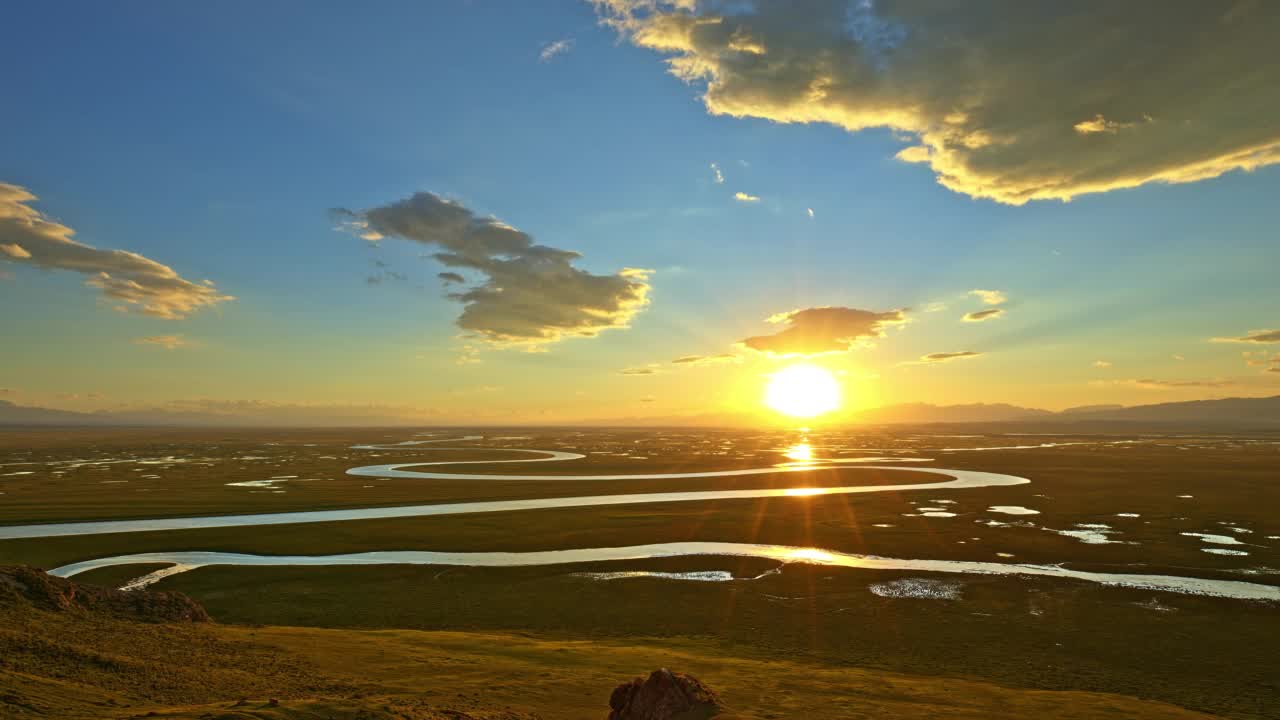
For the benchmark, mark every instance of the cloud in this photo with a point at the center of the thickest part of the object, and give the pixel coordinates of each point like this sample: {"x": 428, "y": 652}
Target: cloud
{"x": 693, "y": 360}
{"x": 990, "y": 297}
{"x": 1253, "y": 336}
{"x": 716, "y": 174}
{"x": 1262, "y": 359}
{"x": 1102, "y": 363}
{"x": 386, "y": 276}
{"x": 639, "y": 371}
{"x": 810, "y": 210}
{"x": 1152, "y": 384}
{"x": 745, "y": 198}
{"x": 168, "y": 342}
{"x": 136, "y": 283}
{"x": 451, "y": 277}
{"x": 531, "y": 294}
{"x": 552, "y": 49}
{"x": 948, "y": 356}
{"x": 984, "y": 94}
{"x": 1099, "y": 124}
{"x": 814, "y": 331}
{"x": 468, "y": 355}
{"x": 983, "y": 315}
{"x": 15, "y": 251}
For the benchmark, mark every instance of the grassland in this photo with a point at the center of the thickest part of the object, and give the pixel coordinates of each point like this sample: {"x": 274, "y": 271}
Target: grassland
{"x": 74, "y": 666}
{"x": 1025, "y": 636}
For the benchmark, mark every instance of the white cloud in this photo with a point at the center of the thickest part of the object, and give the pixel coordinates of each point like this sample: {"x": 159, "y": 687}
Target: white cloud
{"x": 552, "y": 49}
{"x": 134, "y": 282}
{"x": 984, "y": 94}
{"x": 716, "y": 174}
{"x": 745, "y": 198}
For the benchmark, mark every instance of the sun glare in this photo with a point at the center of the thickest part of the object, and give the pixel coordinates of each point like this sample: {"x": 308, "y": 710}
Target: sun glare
{"x": 803, "y": 391}
{"x": 802, "y": 452}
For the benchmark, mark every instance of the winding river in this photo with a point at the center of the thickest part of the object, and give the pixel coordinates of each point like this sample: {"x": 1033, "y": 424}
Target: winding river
{"x": 955, "y": 480}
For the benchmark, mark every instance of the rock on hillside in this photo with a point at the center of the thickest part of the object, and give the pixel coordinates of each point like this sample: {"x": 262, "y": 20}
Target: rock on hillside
{"x": 664, "y": 695}
{"x": 20, "y": 584}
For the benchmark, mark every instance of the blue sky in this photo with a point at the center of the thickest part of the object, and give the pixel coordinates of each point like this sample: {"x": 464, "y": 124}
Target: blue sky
{"x": 215, "y": 138}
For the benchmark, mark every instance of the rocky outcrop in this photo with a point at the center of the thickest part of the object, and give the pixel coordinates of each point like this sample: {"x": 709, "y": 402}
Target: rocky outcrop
{"x": 20, "y": 584}
{"x": 663, "y": 695}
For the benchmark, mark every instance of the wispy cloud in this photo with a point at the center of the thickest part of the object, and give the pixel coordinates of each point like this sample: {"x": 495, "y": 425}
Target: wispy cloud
{"x": 939, "y": 357}
{"x": 990, "y": 297}
{"x": 1102, "y": 363}
{"x": 983, "y": 315}
{"x": 168, "y": 342}
{"x": 690, "y": 360}
{"x": 131, "y": 281}
{"x": 1253, "y": 336}
{"x": 646, "y": 370}
{"x": 1262, "y": 359}
{"x": 1155, "y": 384}
{"x": 552, "y": 49}
{"x": 745, "y": 198}
{"x": 716, "y": 174}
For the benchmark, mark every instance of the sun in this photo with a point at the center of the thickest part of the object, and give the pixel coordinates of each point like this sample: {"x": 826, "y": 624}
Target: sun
{"x": 802, "y": 391}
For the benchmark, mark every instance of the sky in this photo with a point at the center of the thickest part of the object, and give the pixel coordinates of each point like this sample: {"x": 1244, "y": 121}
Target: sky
{"x": 509, "y": 212}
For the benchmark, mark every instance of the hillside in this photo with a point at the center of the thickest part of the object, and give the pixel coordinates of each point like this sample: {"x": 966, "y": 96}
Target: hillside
{"x": 72, "y": 651}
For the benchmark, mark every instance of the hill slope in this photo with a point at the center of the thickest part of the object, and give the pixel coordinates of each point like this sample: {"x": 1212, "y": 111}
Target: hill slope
{"x": 102, "y": 659}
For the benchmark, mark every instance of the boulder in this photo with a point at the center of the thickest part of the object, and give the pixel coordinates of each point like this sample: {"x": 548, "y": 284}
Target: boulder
{"x": 664, "y": 695}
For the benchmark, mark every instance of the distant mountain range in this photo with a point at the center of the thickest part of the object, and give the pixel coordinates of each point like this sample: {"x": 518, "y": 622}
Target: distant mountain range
{"x": 1259, "y": 413}
{"x": 1228, "y": 413}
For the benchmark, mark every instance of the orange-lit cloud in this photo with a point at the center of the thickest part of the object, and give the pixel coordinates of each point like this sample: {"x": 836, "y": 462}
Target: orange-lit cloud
{"x": 814, "y": 331}
{"x": 985, "y": 94}
{"x": 135, "y": 283}
{"x": 531, "y": 294}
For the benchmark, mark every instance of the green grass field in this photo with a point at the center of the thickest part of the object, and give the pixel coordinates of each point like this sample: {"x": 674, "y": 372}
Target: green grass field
{"x": 1008, "y": 635}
